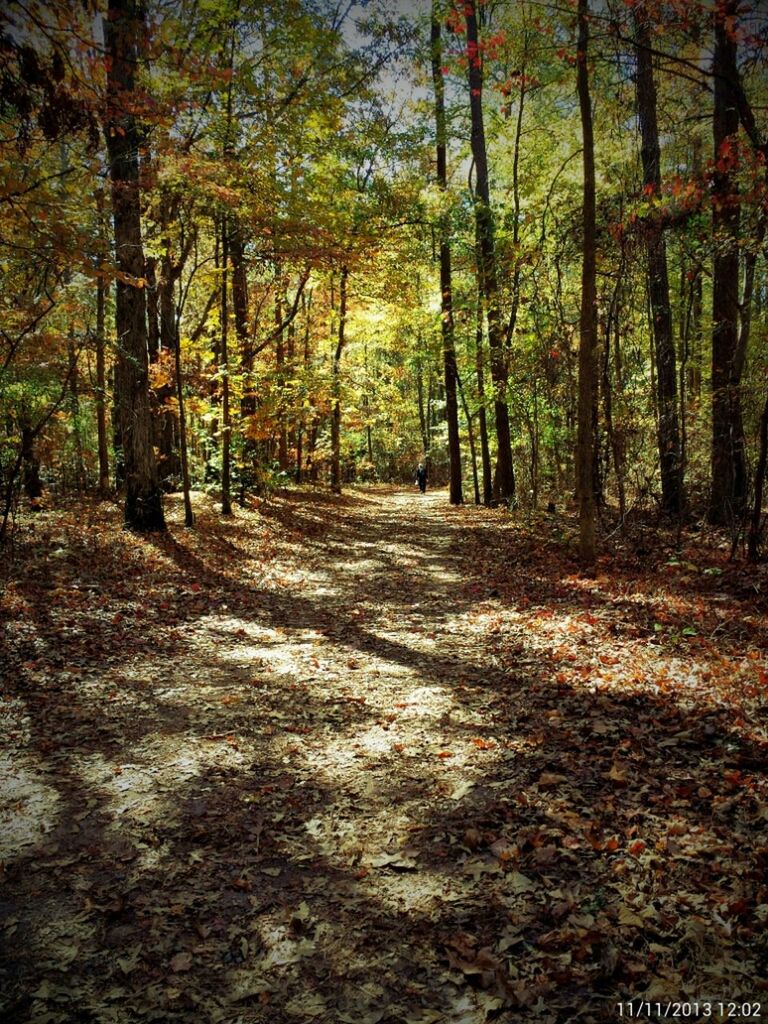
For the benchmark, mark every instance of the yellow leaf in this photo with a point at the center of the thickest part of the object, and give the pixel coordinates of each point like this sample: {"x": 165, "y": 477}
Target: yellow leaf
{"x": 628, "y": 917}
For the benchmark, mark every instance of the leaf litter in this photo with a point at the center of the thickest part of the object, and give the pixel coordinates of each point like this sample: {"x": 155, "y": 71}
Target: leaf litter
{"x": 373, "y": 759}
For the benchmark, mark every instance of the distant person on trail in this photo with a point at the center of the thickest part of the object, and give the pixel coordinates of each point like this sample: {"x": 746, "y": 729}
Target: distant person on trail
{"x": 421, "y": 477}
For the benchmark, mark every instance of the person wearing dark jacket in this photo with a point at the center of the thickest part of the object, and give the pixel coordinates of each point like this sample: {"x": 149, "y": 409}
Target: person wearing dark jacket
{"x": 421, "y": 477}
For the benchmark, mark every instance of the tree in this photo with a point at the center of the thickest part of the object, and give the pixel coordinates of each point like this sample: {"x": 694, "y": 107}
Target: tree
{"x": 446, "y": 294}
{"x": 670, "y": 458}
{"x": 143, "y": 500}
{"x": 504, "y": 477}
{"x": 341, "y": 340}
{"x": 588, "y": 318}
{"x": 729, "y": 474}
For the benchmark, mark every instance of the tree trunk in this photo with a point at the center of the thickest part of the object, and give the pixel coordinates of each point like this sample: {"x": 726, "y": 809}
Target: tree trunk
{"x": 306, "y": 304}
{"x": 336, "y": 410}
{"x": 611, "y": 326}
{"x": 729, "y": 477}
{"x": 282, "y": 437}
{"x": 311, "y": 460}
{"x": 143, "y": 500}
{"x": 101, "y": 389}
{"x": 240, "y": 292}
{"x": 447, "y": 325}
{"x": 482, "y": 415}
{"x": 504, "y": 477}
{"x": 423, "y": 422}
{"x": 670, "y": 461}
{"x": 695, "y": 321}
{"x": 588, "y": 318}
{"x": 80, "y": 475}
{"x": 189, "y": 516}
{"x": 170, "y": 465}
{"x": 226, "y": 484}
{"x": 753, "y": 537}
{"x": 30, "y": 465}
{"x": 153, "y": 316}
{"x": 471, "y": 439}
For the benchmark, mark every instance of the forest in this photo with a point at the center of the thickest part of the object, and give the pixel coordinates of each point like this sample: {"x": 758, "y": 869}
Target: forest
{"x": 287, "y": 738}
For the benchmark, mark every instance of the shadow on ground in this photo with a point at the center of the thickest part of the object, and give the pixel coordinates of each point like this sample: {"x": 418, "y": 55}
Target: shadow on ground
{"x": 307, "y": 765}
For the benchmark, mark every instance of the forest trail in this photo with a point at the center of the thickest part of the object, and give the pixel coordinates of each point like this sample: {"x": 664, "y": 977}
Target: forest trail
{"x": 373, "y": 760}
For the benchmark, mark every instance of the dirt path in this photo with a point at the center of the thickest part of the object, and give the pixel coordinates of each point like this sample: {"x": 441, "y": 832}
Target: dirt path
{"x": 314, "y": 765}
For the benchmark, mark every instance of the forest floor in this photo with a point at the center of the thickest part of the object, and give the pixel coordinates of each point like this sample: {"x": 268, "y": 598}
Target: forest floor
{"x": 375, "y": 760}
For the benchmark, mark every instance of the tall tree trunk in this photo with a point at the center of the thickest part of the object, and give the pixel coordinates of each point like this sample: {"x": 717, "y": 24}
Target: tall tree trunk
{"x": 611, "y": 326}
{"x": 423, "y": 418}
{"x": 101, "y": 388}
{"x": 143, "y": 500}
{"x": 336, "y": 410}
{"x": 588, "y": 319}
{"x": 80, "y": 475}
{"x": 471, "y": 439}
{"x": 670, "y": 461}
{"x": 312, "y": 446}
{"x": 282, "y": 437}
{"x": 504, "y": 477}
{"x": 170, "y": 465}
{"x": 240, "y": 291}
{"x": 482, "y": 415}
{"x": 189, "y": 516}
{"x": 447, "y": 325}
{"x": 306, "y": 304}
{"x": 248, "y": 470}
{"x": 226, "y": 429}
{"x": 243, "y": 328}
{"x": 695, "y": 322}
{"x": 729, "y": 476}
{"x": 753, "y": 537}
{"x": 153, "y": 322}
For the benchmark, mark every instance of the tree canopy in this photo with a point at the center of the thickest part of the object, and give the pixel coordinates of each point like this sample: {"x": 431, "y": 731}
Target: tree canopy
{"x": 291, "y": 200}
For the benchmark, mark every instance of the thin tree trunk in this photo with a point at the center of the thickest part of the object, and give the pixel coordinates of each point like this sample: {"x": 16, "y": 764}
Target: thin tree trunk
{"x": 282, "y": 438}
{"x": 471, "y": 438}
{"x": 143, "y": 499}
{"x": 226, "y": 483}
{"x": 728, "y": 460}
{"x": 240, "y": 292}
{"x": 306, "y": 307}
{"x": 101, "y": 388}
{"x": 336, "y": 410}
{"x": 658, "y": 282}
{"x": 695, "y": 324}
{"x": 290, "y": 420}
{"x": 74, "y": 411}
{"x": 153, "y": 325}
{"x": 588, "y": 319}
{"x": 423, "y": 421}
{"x": 311, "y": 460}
{"x": 504, "y": 477}
{"x": 169, "y": 342}
{"x": 447, "y": 324}
{"x": 616, "y": 453}
{"x": 753, "y": 537}
{"x": 482, "y": 415}
{"x": 189, "y": 516}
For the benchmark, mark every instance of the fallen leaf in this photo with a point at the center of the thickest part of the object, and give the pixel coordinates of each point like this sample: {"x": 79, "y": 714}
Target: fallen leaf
{"x": 181, "y": 962}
